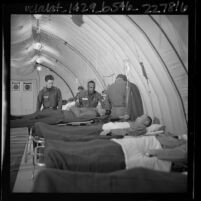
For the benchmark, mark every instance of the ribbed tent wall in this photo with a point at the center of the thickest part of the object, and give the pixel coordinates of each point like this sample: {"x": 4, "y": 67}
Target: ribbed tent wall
{"x": 73, "y": 47}
{"x": 100, "y": 47}
{"x": 167, "y": 44}
{"x": 168, "y": 109}
{"x": 176, "y": 30}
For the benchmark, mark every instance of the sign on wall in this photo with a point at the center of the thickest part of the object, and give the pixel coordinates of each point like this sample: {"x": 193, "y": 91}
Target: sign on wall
{"x": 27, "y": 86}
{"x": 23, "y": 97}
{"x": 15, "y": 86}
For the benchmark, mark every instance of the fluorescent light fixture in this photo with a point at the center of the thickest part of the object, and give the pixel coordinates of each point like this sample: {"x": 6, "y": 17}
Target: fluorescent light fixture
{"x": 39, "y": 68}
{"x": 37, "y": 46}
{"x": 38, "y": 60}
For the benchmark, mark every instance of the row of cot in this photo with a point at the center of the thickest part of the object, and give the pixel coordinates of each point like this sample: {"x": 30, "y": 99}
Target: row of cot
{"x": 80, "y": 155}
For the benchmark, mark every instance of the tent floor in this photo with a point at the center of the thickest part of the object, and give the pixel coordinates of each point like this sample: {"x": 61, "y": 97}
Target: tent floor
{"x": 24, "y": 181}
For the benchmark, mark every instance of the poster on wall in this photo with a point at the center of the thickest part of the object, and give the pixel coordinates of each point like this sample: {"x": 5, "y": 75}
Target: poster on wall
{"x": 15, "y": 86}
{"x": 27, "y": 86}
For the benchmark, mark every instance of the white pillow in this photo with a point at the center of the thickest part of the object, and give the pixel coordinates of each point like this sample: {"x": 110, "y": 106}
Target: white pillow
{"x": 183, "y": 137}
{"x": 156, "y": 127}
{"x": 68, "y": 106}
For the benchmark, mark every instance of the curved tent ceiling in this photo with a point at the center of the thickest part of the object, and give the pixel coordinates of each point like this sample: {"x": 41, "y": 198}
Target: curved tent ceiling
{"x": 84, "y": 47}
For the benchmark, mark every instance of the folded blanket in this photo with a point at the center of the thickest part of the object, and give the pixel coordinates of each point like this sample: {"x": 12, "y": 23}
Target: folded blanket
{"x": 91, "y": 156}
{"x": 67, "y": 133}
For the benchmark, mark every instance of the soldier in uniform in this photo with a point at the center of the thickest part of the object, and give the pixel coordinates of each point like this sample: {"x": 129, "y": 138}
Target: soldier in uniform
{"x": 80, "y": 89}
{"x": 50, "y": 97}
{"x": 90, "y": 97}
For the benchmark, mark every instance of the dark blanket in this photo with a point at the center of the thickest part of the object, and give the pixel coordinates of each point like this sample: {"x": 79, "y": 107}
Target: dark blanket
{"x": 137, "y": 180}
{"x": 70, "y": 133}
{"x": 135, "y": 105}
{"x": 63, "y": 132}
{"x": 51, "y": 117}
{"x": 92, "y": 156}
{"x": 46, "y": 116}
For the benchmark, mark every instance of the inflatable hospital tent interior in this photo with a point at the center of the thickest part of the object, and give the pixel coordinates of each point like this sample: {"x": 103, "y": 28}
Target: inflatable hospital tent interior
{"x": 151, "y": 50}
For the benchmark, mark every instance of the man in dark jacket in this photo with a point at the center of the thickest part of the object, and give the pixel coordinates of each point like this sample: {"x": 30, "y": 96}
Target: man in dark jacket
{"x": 124, "y": 99}
{"x": 116, "y": 97}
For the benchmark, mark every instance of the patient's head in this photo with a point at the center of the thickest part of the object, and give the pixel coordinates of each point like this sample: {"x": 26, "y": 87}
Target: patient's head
{"x": 144, "y": 119}
{"x": 80, "y": 89}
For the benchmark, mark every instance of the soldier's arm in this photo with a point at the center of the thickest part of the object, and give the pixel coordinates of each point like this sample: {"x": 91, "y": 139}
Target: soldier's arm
{"x": 176, "y": 154}
{"x": 137, "y": 131}
{"x": 120, "y": 131}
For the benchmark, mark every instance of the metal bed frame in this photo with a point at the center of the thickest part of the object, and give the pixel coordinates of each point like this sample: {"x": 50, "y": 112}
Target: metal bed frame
{"x": 35, "y": 149}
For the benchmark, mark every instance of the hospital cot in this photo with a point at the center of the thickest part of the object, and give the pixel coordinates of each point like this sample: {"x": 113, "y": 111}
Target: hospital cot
{"x": 117, "y": 181}
{"x": 78, "y": 134}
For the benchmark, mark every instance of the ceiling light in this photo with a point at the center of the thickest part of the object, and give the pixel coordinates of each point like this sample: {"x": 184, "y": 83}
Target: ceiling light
{"x": 37, "y": 46}
{"x": 39, "y": 68}
{"x": 38, "y": 60}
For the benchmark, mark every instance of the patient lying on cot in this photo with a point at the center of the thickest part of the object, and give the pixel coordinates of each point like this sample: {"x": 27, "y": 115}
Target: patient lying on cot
{"x": 57, "y": 116}
{"x": 103, "y": 155}
{"x": 136, "y": 128}
{"x": 171, "y": 150}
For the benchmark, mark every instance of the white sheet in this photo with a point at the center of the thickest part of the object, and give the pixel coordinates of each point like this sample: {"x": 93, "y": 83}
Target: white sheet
{"x": 68, "y": 106}
{"x": 135, "y": 148}
{"x": 115, "y": 125}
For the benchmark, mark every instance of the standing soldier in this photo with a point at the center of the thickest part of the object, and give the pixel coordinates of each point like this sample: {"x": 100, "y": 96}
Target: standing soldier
{"x": 50, "y": 97}
{"x": 90, "y": 98}
{"x": 125, "y": 99}
{"x": 116, "y": 97}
